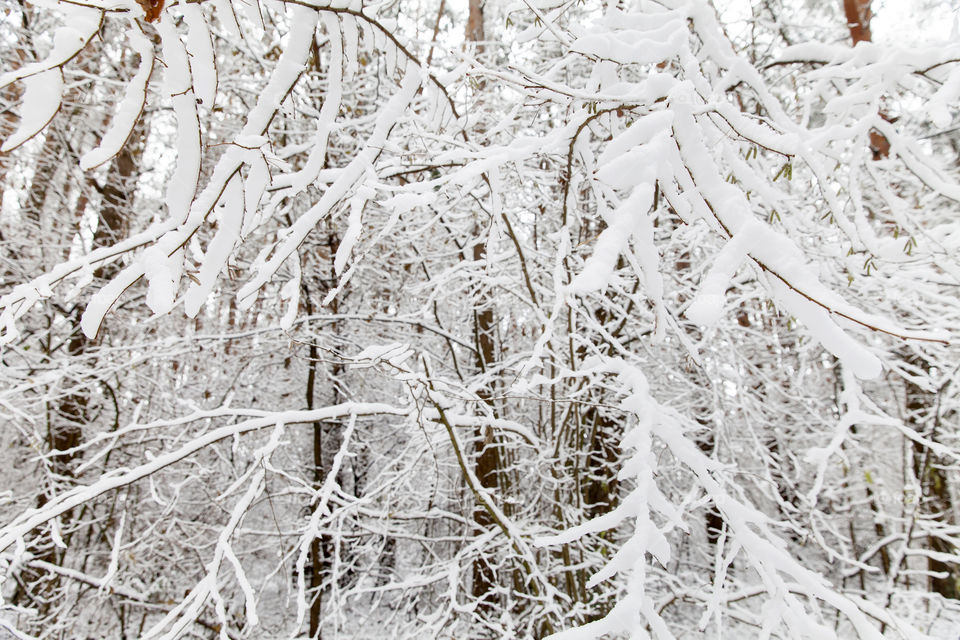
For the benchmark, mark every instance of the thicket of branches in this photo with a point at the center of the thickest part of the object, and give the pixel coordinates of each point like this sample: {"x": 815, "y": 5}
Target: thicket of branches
{"x": 608, "y": 319}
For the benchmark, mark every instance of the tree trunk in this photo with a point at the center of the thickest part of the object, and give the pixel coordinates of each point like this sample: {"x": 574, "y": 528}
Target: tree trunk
{"x": 69, "y": 416}
{"x": 936, "y": 503}
{"x": 487, "y": 459}
{"x": 487, "y": 462}
{"x": 859, "y": 14}
{"x": 327, "y": 438}
{"x": 317, "y": 555}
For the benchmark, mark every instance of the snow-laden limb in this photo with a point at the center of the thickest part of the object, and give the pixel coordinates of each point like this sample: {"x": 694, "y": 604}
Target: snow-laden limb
{"x": 93, "y": 581}
{"x": 794, "y": 283}
{"x": 203, "y": 63}
{"x": 178, "y": 85}
{"x": 218, "y": 251}
{"x": 783, "y": 577}
{"x": 43, "y": 81}
{"x": 299, "y": 180}
{"x": 114, "y": 556}
{"x": 707, "y": 307}
{"x": 188, "y": 610}
{"x": 630, "y": 188}
{"x": 41, "y": 102}
{"x": 22, "y": 297}
{"x": 14, "y": 530}
{"x": 312, "y": 531}
{"x": 83, "y": 23}
{"x": 280, "y": 83}
{"x": 347, "y": 181}
{"x": 129, "y": 108}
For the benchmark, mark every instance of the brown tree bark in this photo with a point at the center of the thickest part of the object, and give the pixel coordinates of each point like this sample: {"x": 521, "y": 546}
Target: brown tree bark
{"x": 487, "y": 462}
{"x": 69, "y": 416}
{"x": 475, "y": 32}
{"x": 66, "y": 429}
{"x": 936, "y": 503}
{"x": 318, "y": 555}
{"x": 327, "y": 436}
{"x": 859, "y": 14}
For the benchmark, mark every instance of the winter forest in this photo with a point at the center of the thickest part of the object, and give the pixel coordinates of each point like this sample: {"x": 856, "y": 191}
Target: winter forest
{"x": 388, "y": 319}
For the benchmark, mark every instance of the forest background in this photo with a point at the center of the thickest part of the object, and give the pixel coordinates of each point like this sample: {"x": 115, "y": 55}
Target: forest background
{"x": 415, "y": 318}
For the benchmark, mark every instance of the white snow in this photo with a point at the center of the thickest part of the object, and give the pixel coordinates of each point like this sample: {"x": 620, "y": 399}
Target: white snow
{"x": 354, "y": 227}
{"x": 651, "y": 43}
{"x": 291, "y": 293}
{"x": 352, "y": 173}
{"x": 230, "y": 217}
{"x": 178, "y": 84}
{"x": 82, "y": 24}
{"x": 163, "y": 273}
{"x": 129, "y": 108}
{"x": 41, "y": 100}
{"x": 707, "y": 307}
{"x": 203, "y": 66}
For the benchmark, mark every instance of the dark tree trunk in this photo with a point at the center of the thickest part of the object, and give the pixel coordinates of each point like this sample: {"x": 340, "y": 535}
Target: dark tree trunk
{"x": 487, "y": 463}
{"x": 936, "y": 503}
{"x": 859, "y": 14}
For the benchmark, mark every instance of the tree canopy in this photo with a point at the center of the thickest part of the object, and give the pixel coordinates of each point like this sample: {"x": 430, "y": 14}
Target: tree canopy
{"x": 408, "y": 318}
